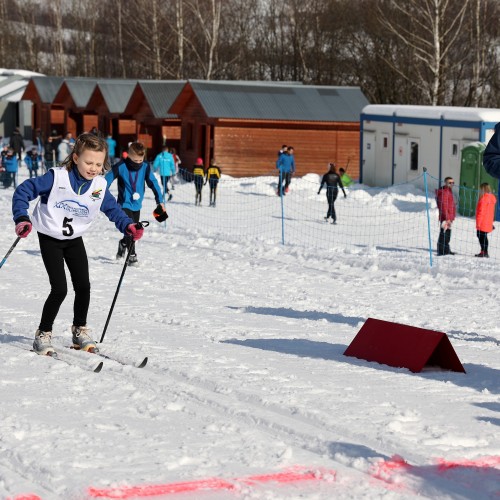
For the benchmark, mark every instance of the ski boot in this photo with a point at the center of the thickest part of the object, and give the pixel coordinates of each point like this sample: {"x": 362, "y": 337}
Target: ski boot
{"x": 122, "y": 248}
{"x": 82, "y": 340}
{"x": 132, "y": 260}
{"x": 42, "y": 345}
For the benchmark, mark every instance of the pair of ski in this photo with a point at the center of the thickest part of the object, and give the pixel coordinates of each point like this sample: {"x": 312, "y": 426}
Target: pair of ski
{"x": 100, "y": 365}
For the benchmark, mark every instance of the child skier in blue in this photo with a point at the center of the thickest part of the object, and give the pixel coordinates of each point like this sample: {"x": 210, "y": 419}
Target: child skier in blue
{"x": 133, "y": 173}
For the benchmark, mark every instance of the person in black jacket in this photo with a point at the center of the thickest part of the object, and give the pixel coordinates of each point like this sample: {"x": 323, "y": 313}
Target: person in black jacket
{"x": 17, "y": 143}
{"x": 333, "y": 182}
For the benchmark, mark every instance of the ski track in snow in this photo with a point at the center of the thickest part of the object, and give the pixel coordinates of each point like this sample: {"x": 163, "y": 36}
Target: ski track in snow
{"x": 246, "y": 373}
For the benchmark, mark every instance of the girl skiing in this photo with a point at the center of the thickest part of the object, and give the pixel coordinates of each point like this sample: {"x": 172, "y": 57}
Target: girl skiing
{"x": 70, "y": 198}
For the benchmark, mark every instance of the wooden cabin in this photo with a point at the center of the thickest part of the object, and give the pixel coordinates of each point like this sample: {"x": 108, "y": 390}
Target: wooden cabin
{"x": 244, "y": 124}
{"x": 41, "y": 91}
{"x": 72, "y": 97}
{"x": 109, "y": 100}
{"x": 148, "y": 106}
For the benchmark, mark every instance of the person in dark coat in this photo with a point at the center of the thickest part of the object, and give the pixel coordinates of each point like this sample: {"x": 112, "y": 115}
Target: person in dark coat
{"x": 447, "y": 213}
{"x": 17, "y": 143}
{"x": 333, "y": 182}
{"x": 50, "y": 153}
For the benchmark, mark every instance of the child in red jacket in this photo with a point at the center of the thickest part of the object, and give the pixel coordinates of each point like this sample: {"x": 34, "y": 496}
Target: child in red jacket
{"x": 485, "y": 215}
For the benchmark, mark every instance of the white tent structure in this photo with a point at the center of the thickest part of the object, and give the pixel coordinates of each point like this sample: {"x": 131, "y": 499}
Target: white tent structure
{"x": 398, "y": 142}
{"x": 14, "y": 112}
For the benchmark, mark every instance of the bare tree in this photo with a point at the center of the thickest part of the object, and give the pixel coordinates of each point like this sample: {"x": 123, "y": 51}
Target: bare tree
{"x": 429, "y": 28}
{"x": 179, "y": 25}
{"x": 208, "y": 15}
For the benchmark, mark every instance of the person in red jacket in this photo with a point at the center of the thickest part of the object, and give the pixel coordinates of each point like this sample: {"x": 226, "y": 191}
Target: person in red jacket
{"x": 485, "y": 215}
{"x": 447, "y": 213}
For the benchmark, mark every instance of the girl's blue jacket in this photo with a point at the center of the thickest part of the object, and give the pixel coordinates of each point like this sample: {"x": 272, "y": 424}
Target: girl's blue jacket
{"x": 32, "y": 188}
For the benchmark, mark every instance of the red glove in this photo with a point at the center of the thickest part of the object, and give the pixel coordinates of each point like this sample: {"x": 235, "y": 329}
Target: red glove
{"x": 136, "y": 231}
{"x": 23, "y": 229}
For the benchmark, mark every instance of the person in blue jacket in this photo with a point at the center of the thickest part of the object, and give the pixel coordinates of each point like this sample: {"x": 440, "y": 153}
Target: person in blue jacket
{"x": 286, "y": 166}
{"x": 32, "y": 160}
{"x": 164, "y": 162}
{"x": 133, "y": 173}
{"x": 70, "y": 198}
{"x": 11, "y": 164}
{"x": 111, "y": 149}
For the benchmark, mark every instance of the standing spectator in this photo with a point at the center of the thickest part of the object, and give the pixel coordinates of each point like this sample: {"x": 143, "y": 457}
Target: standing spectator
{"x": 164, "y": 162}
{"x": 346, "y": 180}
{"x": 133, "y": 173}
{"x": 333, "y": 183}
{"x": 198, "y": 177}
{"x": 49, "y": 155}
{"x": 64, "y": 149}
{"x": 11, "y": 165}
{"x": 177, "y": 162}
{"x": 32, "y": 160}
{"x": 286, "y": 166}
{"x": 111, "y": 149}
{"x": 17, "y": 143}
{"x": 38, "y": 142}
{"x": 213, "y": 176}
{"x": 485, "y": 215}
{"x": 447, "y": 213}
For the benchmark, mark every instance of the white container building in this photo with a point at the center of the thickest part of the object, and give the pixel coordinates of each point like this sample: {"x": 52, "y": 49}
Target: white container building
{"x": 398, "y": 142}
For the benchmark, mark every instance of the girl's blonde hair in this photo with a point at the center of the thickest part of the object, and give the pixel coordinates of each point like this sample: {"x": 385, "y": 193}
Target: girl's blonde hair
{"x": 485, "y": 187}
{"x": 83, "y": 142}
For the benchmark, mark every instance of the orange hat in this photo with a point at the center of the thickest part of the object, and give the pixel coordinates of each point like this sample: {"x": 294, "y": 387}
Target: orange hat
{"x": 199, "y": 161}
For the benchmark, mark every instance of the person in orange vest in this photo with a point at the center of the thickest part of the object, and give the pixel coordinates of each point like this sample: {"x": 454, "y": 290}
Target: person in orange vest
{"x": 485, "y": 215}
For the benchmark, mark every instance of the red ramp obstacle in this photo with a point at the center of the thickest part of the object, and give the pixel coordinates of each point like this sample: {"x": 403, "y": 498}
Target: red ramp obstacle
{"x": 403, "y": 346}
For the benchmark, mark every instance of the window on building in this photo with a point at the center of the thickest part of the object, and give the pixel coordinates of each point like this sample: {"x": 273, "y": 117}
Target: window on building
{"x": 454, "y": 149}
{"x": 413, "y": 155}
{"x": 385, "y": 142}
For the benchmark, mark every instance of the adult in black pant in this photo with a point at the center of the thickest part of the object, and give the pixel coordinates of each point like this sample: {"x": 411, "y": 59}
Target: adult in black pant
{"x": 333, "y": 183}
{"x": 447, "y": 213}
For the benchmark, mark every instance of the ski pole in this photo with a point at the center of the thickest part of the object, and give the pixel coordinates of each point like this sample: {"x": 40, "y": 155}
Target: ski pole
{"x": 2, "y": 262}
{"x": 140, "y": 224}
{"x": 10, "y": 251}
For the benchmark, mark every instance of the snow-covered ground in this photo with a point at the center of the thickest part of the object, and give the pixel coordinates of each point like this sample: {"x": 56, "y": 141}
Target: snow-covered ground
{"x": 247, "y": 393}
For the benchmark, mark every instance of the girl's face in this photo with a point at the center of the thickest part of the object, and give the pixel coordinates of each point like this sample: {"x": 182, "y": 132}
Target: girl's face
{"x": 89, "y": 163}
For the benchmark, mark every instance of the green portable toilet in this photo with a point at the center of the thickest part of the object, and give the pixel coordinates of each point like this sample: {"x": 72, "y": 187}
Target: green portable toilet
{"x": 472, "y": 175}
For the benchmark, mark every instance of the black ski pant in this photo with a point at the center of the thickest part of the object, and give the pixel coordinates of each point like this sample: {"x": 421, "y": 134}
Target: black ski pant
{"x": 213, "y": 190}
{"x": 285, "y": 177}
{"x": 54, "y": 254}
{"x": 198, "y": 184}
{"x": 444, "y": 241}
{"x": 127, "y": 240}
{"x": 164, "y": 183}
{"x": 483, "y": 241}
{"x": 331, "y": 196}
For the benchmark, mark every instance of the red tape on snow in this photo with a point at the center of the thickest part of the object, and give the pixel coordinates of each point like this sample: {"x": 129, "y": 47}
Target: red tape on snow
{"x": 292, "y": 475}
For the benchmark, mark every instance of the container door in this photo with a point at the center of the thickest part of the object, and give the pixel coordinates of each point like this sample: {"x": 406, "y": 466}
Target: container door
{"x": 369, "y": 158}
{"x": 401, "y": 157}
